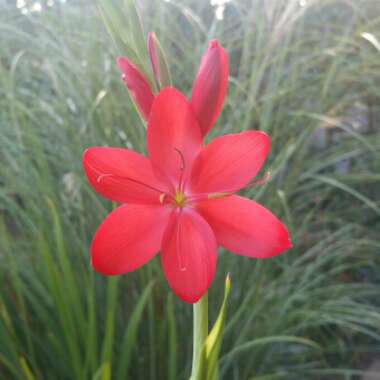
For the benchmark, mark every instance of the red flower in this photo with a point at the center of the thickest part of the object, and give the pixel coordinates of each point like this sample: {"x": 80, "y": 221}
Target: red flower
{"x": 209, "y": 87}
{"x": 179, "y": 200}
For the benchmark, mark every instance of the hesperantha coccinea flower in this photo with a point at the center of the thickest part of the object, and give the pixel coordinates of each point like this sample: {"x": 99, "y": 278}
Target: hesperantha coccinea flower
{"x": 180, "y": 200}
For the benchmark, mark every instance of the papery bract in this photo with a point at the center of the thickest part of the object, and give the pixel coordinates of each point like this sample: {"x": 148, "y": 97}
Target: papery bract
{"x": 153, "y": 55}
{"x": 158, "y": 61}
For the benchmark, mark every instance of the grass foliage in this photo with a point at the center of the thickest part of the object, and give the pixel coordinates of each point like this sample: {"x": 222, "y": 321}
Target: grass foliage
{"x": 308, "y": 73}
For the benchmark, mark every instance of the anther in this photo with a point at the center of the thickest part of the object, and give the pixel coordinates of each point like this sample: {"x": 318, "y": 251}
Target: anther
{"x": 162, "y": 198}
{"x": 261, "y": 181}
{"x": 101, "y": 176}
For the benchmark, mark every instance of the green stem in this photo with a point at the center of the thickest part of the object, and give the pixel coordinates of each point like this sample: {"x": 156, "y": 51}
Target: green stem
{"x": 200, "y": 332}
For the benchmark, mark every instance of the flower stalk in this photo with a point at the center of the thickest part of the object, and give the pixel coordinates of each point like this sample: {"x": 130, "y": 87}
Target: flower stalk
{"x": 200, "y": 333}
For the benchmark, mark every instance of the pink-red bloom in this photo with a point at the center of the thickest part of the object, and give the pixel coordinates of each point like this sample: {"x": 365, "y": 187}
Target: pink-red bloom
{"x": 209, "y": 87}
{"x": 180, "y": 200}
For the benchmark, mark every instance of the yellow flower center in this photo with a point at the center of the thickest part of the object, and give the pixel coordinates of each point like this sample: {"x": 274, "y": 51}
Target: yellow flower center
{"x": 179, "y": 199}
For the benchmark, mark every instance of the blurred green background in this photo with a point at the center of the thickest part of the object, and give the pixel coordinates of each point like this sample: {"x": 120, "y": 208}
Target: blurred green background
{"x": 305, "y": 71}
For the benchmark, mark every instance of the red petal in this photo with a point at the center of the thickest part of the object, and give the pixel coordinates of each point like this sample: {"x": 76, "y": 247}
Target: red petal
{"x": 245, "y": 227}
{"x": 229, "y": 162}
{"x": 173, "y": 132}
{"x": 137, "y": 85}
{"x": 210, "y": 86}
{"x": 188, "y": 255}
{"x": 122, "y": 175}
{"x": 128, "y": 238}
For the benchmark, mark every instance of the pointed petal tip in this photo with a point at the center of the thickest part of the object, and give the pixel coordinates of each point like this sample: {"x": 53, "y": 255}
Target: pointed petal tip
{"x": 127, "y": 67}
{"x": 121, "y": 62}
{"x": 284, "y": 244}
{"x": 286, "y": 241}
{"x": 213, "y": 44}
{"x": 262, "y": 133}
{"x": 289, "y": 244}
{"x": 137, "y": 85}
{"x": 150, "y": 37}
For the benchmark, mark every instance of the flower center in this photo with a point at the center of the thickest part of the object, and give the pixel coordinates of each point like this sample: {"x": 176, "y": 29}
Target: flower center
{"x": 179, "y": 199}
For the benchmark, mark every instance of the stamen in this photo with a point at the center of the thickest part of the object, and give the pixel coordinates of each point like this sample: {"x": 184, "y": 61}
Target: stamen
{"x": 261, "y": 181}
{"x": 206, "y": 196}
{"x": 182, "y": 264}
{"x": 98, "y": 180}
{"x": 101, "y": 176}
{"x": 251, "y": 185}
{"x": 129, "y": 179}
{"x": 162, "y": 198}
{"x": 182, "y": 168}
{"x": 222, "y": 194}
{"x": 218, "y": 195}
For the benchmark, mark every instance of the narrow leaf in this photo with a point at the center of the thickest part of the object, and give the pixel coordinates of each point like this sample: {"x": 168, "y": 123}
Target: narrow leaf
{"x": 130, "y": 335}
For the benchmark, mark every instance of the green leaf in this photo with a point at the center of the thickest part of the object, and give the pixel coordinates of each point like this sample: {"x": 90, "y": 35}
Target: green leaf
{"x": 25, "y": 369}
{"x": 130, "y": 335}
{"x": 285, "y": 339}
{"x": 117, "y": 27}
{"x": 213, "y": 343}
{"x": 125, "y": 29}
{"x": 136, "y": 30}
{"x": 172, "y": 339}
{"x": 108, "y": 341}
